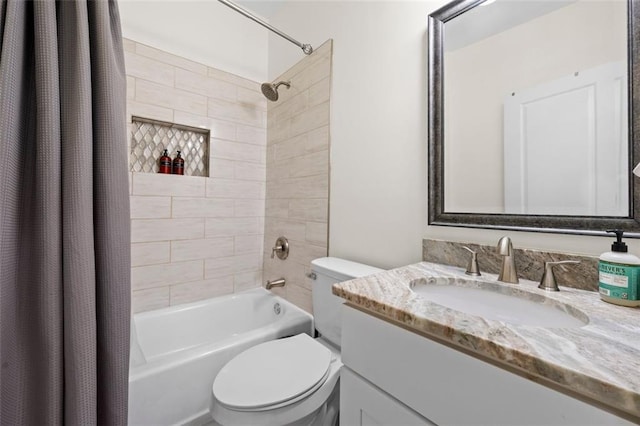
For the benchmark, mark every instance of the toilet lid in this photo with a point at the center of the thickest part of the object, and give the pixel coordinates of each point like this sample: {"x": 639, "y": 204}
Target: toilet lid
{"x": 273, "y": 373}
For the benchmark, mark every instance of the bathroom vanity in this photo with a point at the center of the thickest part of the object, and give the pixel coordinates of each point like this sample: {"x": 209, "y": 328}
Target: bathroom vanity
{"x": 410, "y": 360}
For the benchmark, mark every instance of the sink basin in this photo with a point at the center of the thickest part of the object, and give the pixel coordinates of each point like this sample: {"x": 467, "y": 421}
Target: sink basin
{"x": 492, "y": 301}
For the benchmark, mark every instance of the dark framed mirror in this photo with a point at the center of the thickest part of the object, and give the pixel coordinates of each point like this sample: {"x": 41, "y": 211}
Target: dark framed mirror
{"x": 516, "y": 144}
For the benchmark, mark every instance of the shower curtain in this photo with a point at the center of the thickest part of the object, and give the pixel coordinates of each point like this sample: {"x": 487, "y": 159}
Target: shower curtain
{"x": 64, "y": 214}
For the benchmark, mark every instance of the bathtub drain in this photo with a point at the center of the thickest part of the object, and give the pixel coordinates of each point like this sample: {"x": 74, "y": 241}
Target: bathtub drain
{"x": 277, "y": 309}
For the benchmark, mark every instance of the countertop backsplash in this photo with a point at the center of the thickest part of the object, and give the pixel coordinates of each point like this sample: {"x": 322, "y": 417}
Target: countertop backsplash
{"x": 529, "y": 263}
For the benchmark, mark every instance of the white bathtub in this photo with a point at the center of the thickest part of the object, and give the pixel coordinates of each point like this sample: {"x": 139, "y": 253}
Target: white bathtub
{"x": 176, "y": 352}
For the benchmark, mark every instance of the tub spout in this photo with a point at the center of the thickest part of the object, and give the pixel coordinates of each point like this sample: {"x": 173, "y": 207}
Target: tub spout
{"x": 275, "y": 283}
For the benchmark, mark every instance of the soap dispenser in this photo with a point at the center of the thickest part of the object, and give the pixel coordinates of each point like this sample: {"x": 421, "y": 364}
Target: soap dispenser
{"x": 619, "y": 274}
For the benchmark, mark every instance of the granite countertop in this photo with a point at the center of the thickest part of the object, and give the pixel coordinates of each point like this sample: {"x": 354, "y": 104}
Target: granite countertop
{"x": 600, "y": 360}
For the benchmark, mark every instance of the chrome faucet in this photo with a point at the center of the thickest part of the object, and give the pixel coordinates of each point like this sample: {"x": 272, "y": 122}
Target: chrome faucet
{"x": 508, "y": 273}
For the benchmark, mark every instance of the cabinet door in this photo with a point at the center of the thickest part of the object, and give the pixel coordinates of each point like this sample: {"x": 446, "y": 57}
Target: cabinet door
{"x": 363, "y": 404}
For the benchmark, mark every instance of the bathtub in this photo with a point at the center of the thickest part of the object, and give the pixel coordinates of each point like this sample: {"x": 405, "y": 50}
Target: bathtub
{"x": 176, "y": 352}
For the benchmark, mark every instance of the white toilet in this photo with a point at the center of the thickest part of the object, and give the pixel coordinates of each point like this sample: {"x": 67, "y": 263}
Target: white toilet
{"x": 295, "y": 380}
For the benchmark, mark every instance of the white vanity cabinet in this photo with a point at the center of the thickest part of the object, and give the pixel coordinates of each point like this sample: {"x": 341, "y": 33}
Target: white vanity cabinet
{"x": 393, "y": 376}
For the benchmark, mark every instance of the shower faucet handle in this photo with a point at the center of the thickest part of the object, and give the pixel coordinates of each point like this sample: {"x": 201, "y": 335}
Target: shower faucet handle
{"x": 280, "y": 249}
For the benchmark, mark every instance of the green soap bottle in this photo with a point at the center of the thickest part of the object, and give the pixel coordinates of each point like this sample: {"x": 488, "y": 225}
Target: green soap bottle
{"x": 619, "y": 275}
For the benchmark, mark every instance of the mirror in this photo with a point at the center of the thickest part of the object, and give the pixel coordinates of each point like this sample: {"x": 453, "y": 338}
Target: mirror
{"x": 530, "y": 115}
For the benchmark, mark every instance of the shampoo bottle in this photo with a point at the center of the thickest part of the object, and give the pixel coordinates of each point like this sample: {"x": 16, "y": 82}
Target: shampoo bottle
{"x": 178, "y": 165}
{"x": 165, "y": 163}
{"x": 619, "y": 274}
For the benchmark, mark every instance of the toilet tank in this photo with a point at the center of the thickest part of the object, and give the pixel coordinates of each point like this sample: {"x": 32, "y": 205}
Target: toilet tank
{"x": 326, "y": 306}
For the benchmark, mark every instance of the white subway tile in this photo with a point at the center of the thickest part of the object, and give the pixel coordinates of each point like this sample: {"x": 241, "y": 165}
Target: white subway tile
{"x": 201, "y": 249}
{"x": 149, "y": 69}
{"x": 237, "y": 151}
{"x": 310, "y": 164}
{"x": 317, "y": 233}
{"x": 249, "y": 208}
{"x": 311, "y": 75}
{"x": 305, "y": 253}
{"x": 238, "y": 113}
{"x": 200, "y": 290}
{"x": 301, "y": 297}
{"x": 230, "y": 227}
{"x": 131, "y": 88}
{"x": 291, "y": 228}
{"x": 169, "y": 97}
{"x": 311, "y": 119}
{"x": 205, "y": 85}
{"x": 168, "y": 185}
{"x": 146, "y": 207}
{"x": 128, "y": 45}
{"x": 149, "y": 299}
{"x": 219, "y": 168}
{"x": 275, "y": 268}
{"x": 167, "y": 274}
{"x": 219, "y": 129}
{"x": 320, "y": 92}
{"x": 147, "y": 110}
{"x": 292, "y": 106}
{"x": 148, "y": 230}
{"x": 304, "y": 187}
{"x": 291, "y": 148}
{"x": 218, "y": 267}
{"x": 201, "y": 207}
{"x": 248, "y": 244}
{"x": 278, "y": 130}
{"x": 247, "y": 280}
{"x": 234, "y": 79}
{"x": 150, "y": 253}
{"x": 277, "y": 208}
{"x": 252, "y": 98}
{"x": 170, "y": 59}
{"x": 314, "y": 209}
{"x": 318, "y": 139}
{"x": 250, "y": 171}
{"x": 278, "y": 170}
{"x": 251, "y": 135}
{"x": 228, "y": 188}
{"x": 247, "y": 263}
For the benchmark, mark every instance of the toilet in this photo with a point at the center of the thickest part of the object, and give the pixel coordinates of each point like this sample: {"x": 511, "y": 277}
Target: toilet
{"x": 294, "y": 380}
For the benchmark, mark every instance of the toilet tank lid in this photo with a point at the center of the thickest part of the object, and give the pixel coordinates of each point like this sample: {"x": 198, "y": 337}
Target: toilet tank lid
{"x": 342, "y": 269}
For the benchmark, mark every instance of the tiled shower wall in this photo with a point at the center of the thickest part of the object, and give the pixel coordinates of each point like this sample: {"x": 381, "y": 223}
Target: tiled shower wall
{"x": 297, "y": 203}
{"x": 196, "y": 237}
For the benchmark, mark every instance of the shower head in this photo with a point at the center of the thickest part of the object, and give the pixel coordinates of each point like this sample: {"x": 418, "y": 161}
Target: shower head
{"x": 270, "y": 90}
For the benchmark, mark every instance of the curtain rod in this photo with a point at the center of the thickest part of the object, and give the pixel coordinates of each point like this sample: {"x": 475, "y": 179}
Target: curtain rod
{"x": 306, "y": 48}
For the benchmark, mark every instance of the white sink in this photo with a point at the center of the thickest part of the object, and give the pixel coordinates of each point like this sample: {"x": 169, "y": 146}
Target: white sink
{"x": 493, "y": 302}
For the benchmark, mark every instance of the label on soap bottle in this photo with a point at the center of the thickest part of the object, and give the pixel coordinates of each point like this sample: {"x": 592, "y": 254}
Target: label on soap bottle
{"x": 619, "y": 281}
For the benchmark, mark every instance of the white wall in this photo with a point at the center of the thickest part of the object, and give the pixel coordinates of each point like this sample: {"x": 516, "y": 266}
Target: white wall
{"x": 378, "y": 131}
{"x": 204, "y": 31}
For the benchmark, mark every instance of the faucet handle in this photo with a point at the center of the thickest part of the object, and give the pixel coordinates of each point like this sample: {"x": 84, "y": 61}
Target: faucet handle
{"x": 548, "y": 281}
{"x": 472, "y": 268}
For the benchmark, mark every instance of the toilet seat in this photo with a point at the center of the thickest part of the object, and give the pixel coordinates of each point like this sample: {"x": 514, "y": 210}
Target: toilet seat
{"x": 273, "y": 374}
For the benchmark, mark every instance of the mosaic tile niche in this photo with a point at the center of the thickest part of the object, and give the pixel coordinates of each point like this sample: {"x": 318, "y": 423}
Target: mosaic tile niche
{"x": 150, "y": 137}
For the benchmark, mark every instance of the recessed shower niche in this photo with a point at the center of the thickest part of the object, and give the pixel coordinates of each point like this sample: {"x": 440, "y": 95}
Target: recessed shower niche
{"x": 150, "y": 137}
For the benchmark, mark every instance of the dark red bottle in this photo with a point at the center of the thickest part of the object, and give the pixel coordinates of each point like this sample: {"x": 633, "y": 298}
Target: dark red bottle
{"x": 165, "y": 163}
{"x": 178, "y": 165}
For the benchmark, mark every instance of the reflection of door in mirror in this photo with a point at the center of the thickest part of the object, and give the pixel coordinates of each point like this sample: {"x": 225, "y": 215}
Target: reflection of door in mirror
{"x": 568, "y": 135}
{"x": 531, "y": 43}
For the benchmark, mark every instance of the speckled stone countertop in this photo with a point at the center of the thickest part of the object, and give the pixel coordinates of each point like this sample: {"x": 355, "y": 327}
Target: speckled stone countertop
{"x": 600, "y": 360}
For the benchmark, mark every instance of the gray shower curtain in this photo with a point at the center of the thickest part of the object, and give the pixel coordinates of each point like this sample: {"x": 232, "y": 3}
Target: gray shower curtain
{"x": 64, "y": 214}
